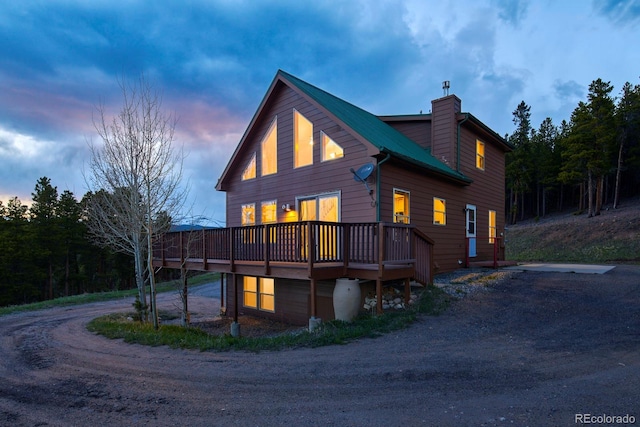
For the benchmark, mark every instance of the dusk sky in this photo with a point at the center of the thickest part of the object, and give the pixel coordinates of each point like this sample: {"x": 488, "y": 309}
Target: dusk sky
{"x": 214, "y": 61}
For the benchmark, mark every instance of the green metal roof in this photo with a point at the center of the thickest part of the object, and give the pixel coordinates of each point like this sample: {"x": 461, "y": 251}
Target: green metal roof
{"x": 375, "y": 131}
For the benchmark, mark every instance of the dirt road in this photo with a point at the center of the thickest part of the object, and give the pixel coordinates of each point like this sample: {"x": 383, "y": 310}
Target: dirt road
{"x": 536, "y": 350}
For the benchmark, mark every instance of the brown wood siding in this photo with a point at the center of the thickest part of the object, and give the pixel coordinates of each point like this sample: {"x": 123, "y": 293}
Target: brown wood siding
{"x": 292, "y": 303}
{"x": 418, "y": 131}
{"x": 289, "y": 183}
{"x": 488, "y": 189}
{"x": 486, "y": 193}
{"x": 450, "y": 238}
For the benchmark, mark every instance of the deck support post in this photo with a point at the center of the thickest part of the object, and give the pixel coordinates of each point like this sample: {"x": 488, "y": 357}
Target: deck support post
{"x": 235, "y": 326}
{"x": 379, "y": 296}
{"x": 312, "y": 293}
{"x": 314, "y": 321}
{"x": 407, "y": 290}
{"x": 223, "y": 303}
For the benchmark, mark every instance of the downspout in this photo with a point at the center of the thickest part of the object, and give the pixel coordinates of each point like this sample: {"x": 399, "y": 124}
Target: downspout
{"x": 378, "y": 186}
{"x": 458, "y": 142}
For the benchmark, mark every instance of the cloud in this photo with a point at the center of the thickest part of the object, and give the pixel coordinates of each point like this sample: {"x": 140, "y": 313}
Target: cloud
{"x": 512, "y": 11}
{"x": 623, "y": 12}
{"x": 214, "y": 60}
{"x": 568, "y": 90}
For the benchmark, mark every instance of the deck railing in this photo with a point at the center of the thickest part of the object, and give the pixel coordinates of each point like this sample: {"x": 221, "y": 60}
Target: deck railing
{"x": 307, "y": 243}
{"x": 493, "y": 241}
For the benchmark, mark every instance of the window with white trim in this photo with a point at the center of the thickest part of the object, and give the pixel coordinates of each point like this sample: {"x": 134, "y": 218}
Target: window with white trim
{"x": 401, "y": 206}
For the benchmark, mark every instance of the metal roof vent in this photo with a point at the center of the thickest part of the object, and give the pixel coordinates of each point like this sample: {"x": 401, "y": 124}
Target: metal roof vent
{"x": 445, "y": 87}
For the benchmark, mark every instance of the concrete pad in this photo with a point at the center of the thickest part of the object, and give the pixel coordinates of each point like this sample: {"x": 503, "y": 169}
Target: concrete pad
{"x": 564, "y": 268}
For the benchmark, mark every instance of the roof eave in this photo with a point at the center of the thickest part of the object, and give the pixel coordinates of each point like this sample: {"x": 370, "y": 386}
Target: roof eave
{"x": 454, "y": 177}
{"x": 220, "y": 185}
{"x": 500, "y": 140}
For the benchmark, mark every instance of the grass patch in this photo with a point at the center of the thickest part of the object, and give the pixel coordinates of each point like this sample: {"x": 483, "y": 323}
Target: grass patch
{"x": 534, "y": 245}
{"x": 612, "y": 237}
{"x": 432, "y": 301}
{"x": 104, "y": 296}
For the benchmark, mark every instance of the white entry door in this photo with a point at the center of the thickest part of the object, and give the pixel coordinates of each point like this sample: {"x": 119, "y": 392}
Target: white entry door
{"x": 471, "y": 229}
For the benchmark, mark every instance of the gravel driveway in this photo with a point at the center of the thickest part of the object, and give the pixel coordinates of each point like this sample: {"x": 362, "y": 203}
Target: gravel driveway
{"x": 536, "y": 349}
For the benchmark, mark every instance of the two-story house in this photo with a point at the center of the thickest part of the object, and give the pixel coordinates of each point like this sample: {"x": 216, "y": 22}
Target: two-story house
{"x": 309, "y": 160}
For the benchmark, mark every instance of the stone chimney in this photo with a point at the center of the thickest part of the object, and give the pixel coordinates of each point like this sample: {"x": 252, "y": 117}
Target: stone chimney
{"x": 444, "y": 129}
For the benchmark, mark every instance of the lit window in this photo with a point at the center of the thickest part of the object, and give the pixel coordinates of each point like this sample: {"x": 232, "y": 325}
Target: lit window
{"x": 270, "y": 150}
{"x": 401, "y": 206}
{"x": 439, "y": 211}
{"x": 330, "y": 149}
{"x": 250, "y": 292}
{"x": 259, "y": 293}
{"x": 248, "y": 214}
{"x": 249, "y": 171}
{"x": 269, "y": 212}
{"x": 480, "y": 154}
{"x": 492, "y": 226}
{"x": 267, "y": 294}
{"x": 326, "y": 208}
{"x": 303, "y": 141}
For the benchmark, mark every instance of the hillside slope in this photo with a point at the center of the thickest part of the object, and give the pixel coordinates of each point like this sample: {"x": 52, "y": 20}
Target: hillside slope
{"x": 612, "y": 237}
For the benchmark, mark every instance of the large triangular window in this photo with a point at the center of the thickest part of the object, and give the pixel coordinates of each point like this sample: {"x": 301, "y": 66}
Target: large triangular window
{"x": 249, "y": 171}
{"x": 270, "y": 149}
{"x": 330, "y": 149}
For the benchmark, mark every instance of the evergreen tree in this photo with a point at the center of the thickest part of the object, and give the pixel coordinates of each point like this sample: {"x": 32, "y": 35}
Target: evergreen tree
{"x": 72, "y": 237}
{"x": 544, "y": 142}
{"x": 45, "y": 233}
{"x": 589, "y": 146}
{"x": 602, "y": 127}
{"x": 558, "y": 155}
{"x": 16, "y": 284}
{"x": 627, "y": 122}
{"x": 519, "y": 164}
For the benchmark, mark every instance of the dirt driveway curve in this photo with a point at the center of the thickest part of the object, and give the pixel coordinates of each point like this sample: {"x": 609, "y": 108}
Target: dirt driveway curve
{"x": 535, "y": 350}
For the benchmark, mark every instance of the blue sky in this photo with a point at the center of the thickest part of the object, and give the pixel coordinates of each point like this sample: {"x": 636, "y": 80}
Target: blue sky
{"x": 215, "y": 59}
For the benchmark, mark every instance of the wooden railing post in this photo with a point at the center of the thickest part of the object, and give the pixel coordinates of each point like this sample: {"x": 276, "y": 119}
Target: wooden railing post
{"x": 311, "y": 252}
{"x": 266, "y": 238}
{"x": 346, "y": 247}
{"x": 232, "y": 250}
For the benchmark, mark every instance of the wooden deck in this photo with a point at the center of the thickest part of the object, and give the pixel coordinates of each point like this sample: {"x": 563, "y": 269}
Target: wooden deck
{"x": 310, "y": 250}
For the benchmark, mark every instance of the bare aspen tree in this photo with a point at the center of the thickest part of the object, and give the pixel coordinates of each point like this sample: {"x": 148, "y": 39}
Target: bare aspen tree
{"x": 194, "y": 238}
{"x": 135, "y": 176}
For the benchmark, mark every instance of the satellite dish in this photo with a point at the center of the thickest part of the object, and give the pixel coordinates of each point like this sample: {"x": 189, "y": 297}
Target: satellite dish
{"x": 362, "y": 174}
